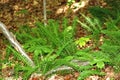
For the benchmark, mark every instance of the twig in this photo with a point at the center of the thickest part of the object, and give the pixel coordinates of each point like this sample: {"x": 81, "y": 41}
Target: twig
{"x": 14, "y": 42}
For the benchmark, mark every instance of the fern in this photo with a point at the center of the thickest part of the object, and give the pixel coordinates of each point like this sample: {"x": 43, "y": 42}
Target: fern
{"x": 103, "y": 13}
{"x": 93, "y": 26}
{"x": 112, "y": 48}
{"x": 111, "y": 44}
{"x": 94, "y": 58}
{"x": 88, "y": 73}
{"x": 18, "y": 57}
{"x": 52, "y": 63}
{"x": 26, "y": 70}
{"x": 56, "y": 37}
{"x": 114, "y": 4}
{"x": 50, "y": 46}
{"x": 86, "y": 70}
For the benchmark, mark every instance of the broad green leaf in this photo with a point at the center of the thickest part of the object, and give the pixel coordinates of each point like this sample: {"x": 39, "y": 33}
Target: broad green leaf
{"x": 100, "y": 64}
{"x": 82, "y": 41}
{"x": 37, "y": 52}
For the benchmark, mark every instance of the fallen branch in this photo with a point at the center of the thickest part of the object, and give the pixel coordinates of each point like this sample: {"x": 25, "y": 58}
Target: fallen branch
{"x": 64, "y": 68}
{"x": 14, "y": 42}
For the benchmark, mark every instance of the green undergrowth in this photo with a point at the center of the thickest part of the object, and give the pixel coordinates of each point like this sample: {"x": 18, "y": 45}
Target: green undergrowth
{"x": 54, "y": 45}
{"x": 105, "y": 29}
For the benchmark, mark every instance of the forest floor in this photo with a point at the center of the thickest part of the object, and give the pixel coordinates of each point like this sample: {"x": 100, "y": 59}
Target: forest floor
{"x": 20, "y": 12}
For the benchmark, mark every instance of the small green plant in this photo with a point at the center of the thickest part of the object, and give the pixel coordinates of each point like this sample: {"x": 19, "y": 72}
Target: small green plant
{"x": 82, "y": 41}
{"x": 22, "y": 11}
{"x": 70, "y": 2}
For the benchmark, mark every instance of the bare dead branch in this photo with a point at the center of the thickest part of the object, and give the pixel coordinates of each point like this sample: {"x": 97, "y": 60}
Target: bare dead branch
{"x": 14, "y": 42}
{"x": 44, "y": 12}
{"x": 64, "y": 68}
